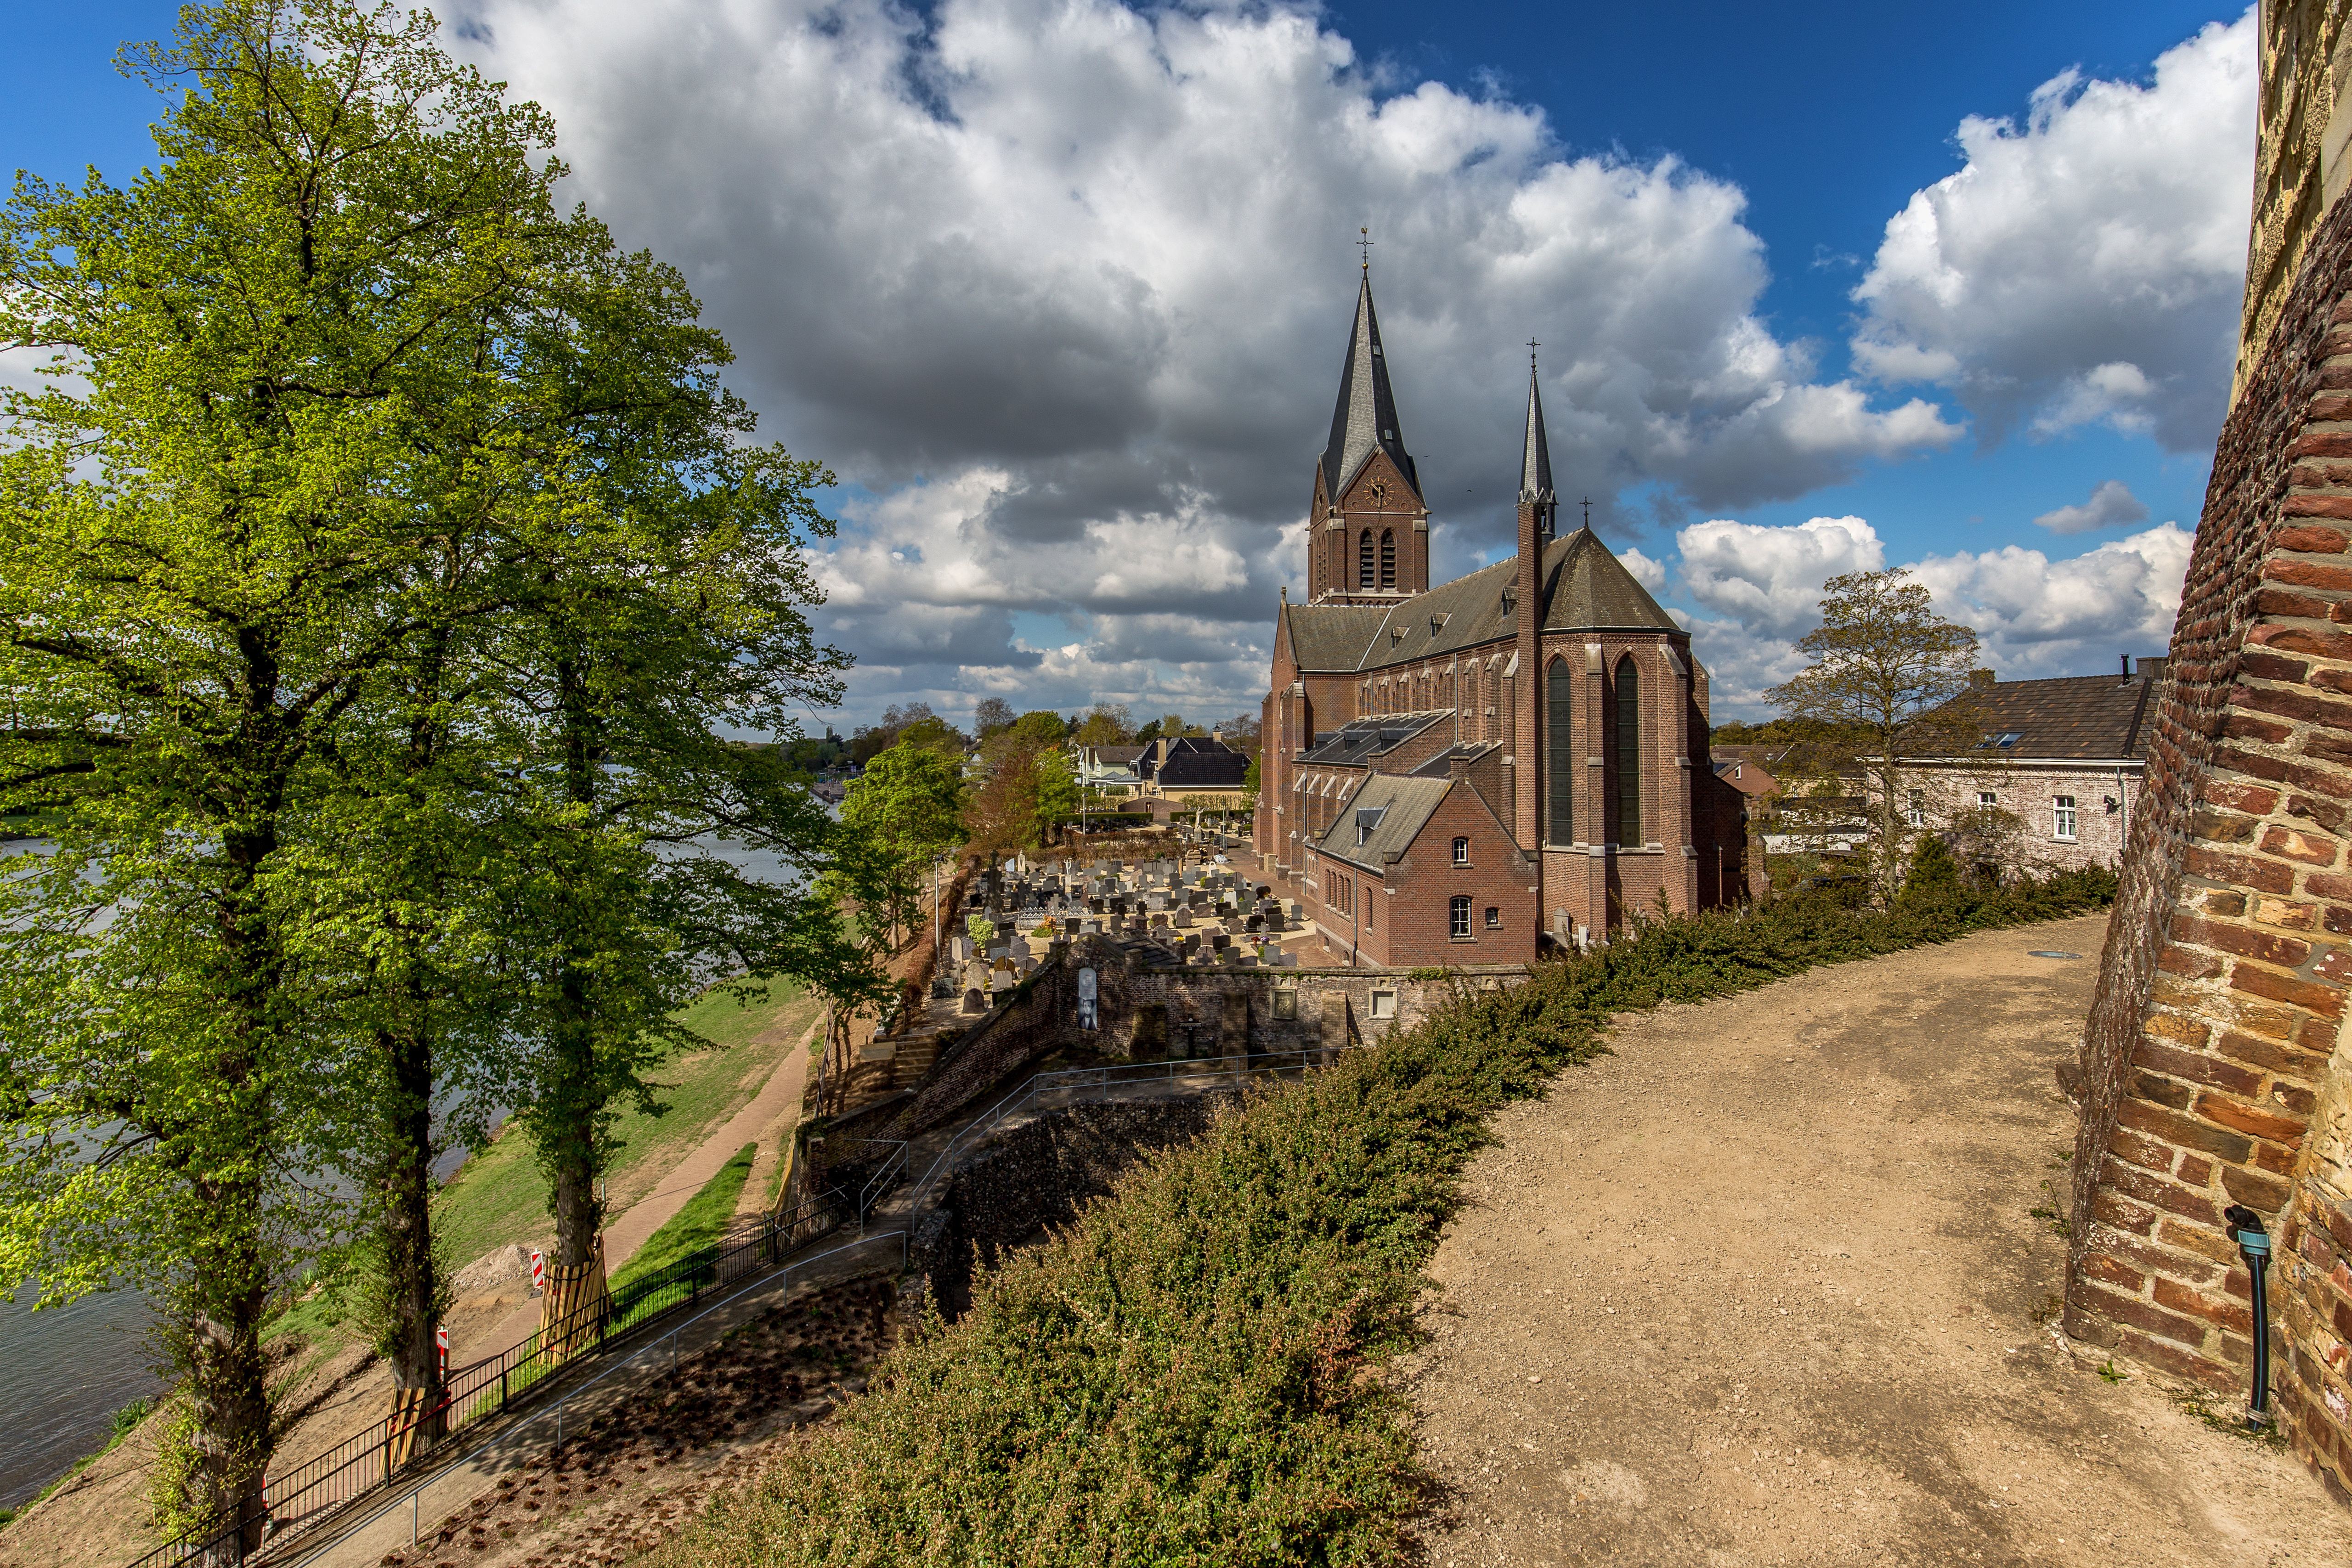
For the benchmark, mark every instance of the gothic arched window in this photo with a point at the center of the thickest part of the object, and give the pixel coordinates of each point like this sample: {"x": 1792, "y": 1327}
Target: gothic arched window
{"x": 1388, "y": 558}
{"x": 1364, "y": 578}
{"x": 1629, "y": 753}
{"x": 1560, "y": 754}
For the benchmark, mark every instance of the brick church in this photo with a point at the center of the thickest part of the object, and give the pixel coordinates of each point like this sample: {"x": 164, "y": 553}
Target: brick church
{"x": 1468, "y": 773}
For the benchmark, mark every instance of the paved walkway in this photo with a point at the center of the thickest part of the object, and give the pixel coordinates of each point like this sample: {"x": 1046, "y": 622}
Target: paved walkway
{"x": 1765, "y": 1288}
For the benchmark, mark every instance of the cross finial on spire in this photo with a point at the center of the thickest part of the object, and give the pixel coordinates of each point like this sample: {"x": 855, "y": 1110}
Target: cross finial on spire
{"x": 1365, "y": 245}
{"x": 1587, "y": 514}
{"x": 1532, "y": 347}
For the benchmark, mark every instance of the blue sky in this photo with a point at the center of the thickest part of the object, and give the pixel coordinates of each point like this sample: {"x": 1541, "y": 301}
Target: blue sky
{"x": 1061, "y": 290}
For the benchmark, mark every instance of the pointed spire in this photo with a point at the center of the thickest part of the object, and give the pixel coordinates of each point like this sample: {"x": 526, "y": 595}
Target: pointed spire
{"x": 1535, "y": 464}
{"x": 1365, "y": 418}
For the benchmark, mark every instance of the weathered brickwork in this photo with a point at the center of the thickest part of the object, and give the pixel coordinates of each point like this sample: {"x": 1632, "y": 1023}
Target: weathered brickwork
{"x": 2215, "y": 1035}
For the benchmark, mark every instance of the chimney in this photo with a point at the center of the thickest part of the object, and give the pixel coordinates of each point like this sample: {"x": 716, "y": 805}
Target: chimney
{"x": 2126, "y": 673}
{"x": 1217, "y": 732}
{"x": 2154, "y": 669}
{"x": 1458, "y": 765}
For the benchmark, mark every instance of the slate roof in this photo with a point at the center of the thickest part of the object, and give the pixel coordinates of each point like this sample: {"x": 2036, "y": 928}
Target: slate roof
{"x": 1535, "y": 464}
{"x": 2100, "y": 716}
{"x": 1587, "y": 590}
{"x": 1113, "y": 755}
{"x": 1202, "y": 770}
{"x": 1332, "y": 636}
{"x": 1442, "y": 764}
{"x": 1403, "y": 804}
{"x": 1357, "y": 742}
{"x": 1365, "y": 418}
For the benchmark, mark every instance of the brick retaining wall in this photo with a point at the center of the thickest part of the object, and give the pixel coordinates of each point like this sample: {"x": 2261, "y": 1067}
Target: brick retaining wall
{"x": 2215, "y": 1032}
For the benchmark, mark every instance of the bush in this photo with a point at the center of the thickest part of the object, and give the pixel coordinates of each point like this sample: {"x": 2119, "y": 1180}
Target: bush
{"x": 1185, "y": 1374}
{"x": 1933, "y": 872}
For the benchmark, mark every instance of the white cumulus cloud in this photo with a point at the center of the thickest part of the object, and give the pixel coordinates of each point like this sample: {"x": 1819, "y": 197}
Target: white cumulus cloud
{"x": 2041, "y": 617}
{"x": 1770, "y": 580}
{"x": 1066, "y": 284}
{"x": 2033, "y": 616}
{"x": 2087, "y": 265}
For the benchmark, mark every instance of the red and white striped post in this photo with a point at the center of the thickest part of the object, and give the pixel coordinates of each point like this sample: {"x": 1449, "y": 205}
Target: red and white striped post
{"x": 441, "y": 1344}
{"x": 538, "y": 1272}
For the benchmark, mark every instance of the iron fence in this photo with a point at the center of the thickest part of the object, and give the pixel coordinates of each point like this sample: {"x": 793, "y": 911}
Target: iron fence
{"x": 299, "y": 1497}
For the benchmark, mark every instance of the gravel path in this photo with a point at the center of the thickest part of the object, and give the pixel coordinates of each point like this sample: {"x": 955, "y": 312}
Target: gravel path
{"x": 1765, "y": 1287}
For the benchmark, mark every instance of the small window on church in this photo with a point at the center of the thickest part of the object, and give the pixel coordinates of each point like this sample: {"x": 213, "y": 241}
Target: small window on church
{"x": 1462, "y": 852}
{"x": 1457, "y": 916}
{"x": 1494, "y": 917}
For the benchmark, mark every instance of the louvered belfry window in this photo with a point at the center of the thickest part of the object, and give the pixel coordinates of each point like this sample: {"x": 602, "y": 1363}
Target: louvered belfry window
{"x": 1388, "y": 558}
{"x": 1629, "y": 754}
{"x": 1560, "y": 754}
{"x": 1364, "y": 578}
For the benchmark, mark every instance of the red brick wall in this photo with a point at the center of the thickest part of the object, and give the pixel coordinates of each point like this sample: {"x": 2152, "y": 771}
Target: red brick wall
{"x": 2215, "y": 1032}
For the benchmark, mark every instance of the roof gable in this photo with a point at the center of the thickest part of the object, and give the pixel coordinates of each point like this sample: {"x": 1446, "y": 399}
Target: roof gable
{"x": 1404, "y": 806}
{"x": 1588, "y": 589}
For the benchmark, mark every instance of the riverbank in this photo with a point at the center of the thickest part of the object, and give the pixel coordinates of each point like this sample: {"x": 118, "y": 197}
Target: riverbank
{"x": 496, "y": 1200}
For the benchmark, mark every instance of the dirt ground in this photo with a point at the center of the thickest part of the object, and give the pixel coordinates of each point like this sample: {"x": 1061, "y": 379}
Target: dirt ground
{"x": 1766, "y": 1286}
{"x": 646, "y": 1469}
{"x": 99, "y": 1519}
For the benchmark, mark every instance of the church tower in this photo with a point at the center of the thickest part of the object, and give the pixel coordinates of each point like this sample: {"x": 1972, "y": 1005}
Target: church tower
{"x": 1367, "y": 528}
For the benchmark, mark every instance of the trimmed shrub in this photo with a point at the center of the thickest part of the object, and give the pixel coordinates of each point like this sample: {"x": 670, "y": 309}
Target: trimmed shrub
{"x": 1188, "y": 1373}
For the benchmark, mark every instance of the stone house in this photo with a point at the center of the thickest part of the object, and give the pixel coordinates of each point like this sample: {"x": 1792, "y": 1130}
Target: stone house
{"x": 1564, "y": 700}
{"x": 2052, "y": 783}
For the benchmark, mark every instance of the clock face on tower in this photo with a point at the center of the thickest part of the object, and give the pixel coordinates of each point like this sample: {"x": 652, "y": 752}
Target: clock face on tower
{"x": 1380, "y": 492}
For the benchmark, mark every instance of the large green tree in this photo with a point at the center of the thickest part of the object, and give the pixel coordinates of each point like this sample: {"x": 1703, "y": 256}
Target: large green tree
{"x": 384, "y": 572}
{"x": 225, "y": 516}
{"x": 1890, "y": 675}
{"x": 908, "y": 809}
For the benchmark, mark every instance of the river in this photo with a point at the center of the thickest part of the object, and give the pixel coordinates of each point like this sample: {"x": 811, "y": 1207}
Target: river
{"x": 65, "y": 1371}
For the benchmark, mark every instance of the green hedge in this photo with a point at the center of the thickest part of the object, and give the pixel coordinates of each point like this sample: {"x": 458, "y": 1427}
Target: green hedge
{"x": 1182, "y": 1376}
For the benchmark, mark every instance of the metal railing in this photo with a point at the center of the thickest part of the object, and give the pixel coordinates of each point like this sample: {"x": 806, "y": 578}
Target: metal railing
{"x": 1084, "y": 1085}
{"x": 654, "y": 1347}
{"x": 295, "y": 1499}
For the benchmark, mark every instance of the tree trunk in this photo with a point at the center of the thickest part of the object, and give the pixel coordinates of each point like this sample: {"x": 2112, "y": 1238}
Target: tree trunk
{"x": 411, "y": 1286}
{"x": 573, "y": 1159}
{"x": 231, "y": 1273}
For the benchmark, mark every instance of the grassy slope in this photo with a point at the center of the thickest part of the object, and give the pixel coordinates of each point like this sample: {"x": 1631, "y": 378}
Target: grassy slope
{"x": 499, "y": 1196}
{"x": 1188, "y": 1374}
{"x": 700, "y": 1225}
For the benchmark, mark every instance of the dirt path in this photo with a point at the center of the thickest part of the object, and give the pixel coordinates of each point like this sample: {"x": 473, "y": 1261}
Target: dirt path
{"x": 771, "y": 1115}
{"x": 97, "y": 1519}
{"x": 1765, "y": 1288}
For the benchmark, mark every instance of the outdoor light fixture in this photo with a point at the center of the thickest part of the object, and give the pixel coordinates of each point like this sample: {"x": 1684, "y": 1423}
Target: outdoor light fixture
{"x": 2254, "y": 1246}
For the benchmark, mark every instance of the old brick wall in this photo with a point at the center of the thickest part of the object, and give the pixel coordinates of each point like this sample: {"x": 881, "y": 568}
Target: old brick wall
{"x": 2215, "y": 1032}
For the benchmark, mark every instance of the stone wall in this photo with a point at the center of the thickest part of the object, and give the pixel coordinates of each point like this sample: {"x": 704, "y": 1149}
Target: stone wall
{"x": 1037, "y": 1175}
{"x": 2214, "y": 1036}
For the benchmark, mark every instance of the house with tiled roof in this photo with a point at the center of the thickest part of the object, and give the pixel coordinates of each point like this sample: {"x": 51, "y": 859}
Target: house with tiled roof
{"x": 2055, "y": 776}
{"x": 1191, "y": 765}
{"x": 1470, "y": 772}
